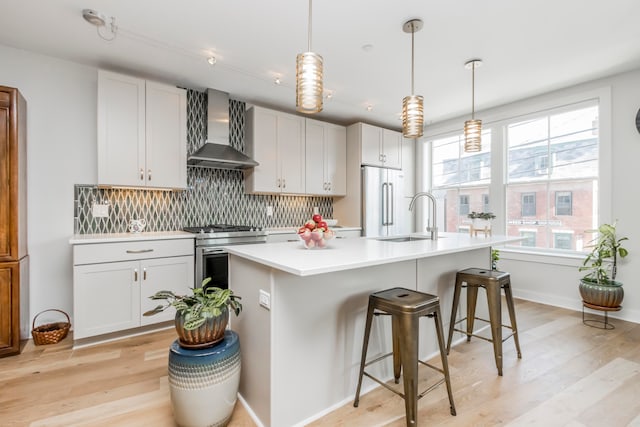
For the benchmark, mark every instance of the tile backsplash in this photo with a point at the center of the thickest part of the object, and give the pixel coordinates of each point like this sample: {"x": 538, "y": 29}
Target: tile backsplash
{"x": 213, "y": 196}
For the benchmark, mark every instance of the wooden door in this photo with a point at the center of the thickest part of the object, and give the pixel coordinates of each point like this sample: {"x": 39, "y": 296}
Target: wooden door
{"x": 5, "y": 174}
{"x": 9, "y": 304}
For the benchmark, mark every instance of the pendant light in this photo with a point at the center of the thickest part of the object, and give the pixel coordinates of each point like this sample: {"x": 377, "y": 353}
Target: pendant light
{"x": 473, "y": 127}
{"x": 412, "y": 105}
{"x": 309, "y": 88}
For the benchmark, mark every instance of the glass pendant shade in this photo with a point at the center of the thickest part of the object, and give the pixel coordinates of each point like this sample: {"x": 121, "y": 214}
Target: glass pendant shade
{"x": 472, "y": 135}
{"x": 309, "y": 87}
{"x": 412, "y": 116}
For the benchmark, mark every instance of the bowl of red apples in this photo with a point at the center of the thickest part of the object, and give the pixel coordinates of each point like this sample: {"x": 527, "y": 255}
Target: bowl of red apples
{"x": 315, "y": 233}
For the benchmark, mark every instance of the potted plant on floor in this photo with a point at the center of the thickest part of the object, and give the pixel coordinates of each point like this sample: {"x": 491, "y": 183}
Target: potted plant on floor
{"x": 198, "y": 372}
{"x": 599, "y": 287}
{"x": 202, "y": 316}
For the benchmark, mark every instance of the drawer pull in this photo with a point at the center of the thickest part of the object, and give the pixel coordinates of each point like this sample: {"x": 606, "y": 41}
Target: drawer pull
{"x": 135, "y": 275}
{"x": 139, "y": 251}
{"x": 144, "y": 274}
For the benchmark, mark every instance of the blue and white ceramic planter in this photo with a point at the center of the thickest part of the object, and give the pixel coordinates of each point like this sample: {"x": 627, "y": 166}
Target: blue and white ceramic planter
{"x": 204, "y": 382}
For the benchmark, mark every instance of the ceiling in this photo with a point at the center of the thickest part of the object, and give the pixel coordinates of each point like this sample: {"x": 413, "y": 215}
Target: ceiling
{"x": 527, "y": 48}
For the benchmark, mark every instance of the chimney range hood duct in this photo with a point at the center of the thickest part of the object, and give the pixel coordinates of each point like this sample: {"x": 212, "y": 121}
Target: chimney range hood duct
{"x": 216, "y": 152}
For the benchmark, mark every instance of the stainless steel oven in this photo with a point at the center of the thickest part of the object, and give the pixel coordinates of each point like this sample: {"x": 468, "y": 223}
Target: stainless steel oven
{"x": 212, "y": 259}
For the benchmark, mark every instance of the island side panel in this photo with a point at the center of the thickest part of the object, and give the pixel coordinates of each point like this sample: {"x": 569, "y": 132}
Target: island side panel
{"x": 437, "y": 276}
{"x": 317, "y": 330}
{"x": 253, "y": 326}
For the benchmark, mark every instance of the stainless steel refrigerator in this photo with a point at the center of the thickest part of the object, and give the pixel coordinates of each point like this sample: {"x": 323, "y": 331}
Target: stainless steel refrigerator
{"x": 385, "y": 209}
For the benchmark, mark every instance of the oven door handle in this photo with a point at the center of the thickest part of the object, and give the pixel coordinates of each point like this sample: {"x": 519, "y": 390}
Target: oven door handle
{"x": 214, "y": 251}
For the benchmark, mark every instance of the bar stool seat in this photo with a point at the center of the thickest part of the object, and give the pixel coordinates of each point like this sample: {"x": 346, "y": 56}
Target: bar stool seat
{"x": 405, "y": 307}
{"x": 492, "y": 281}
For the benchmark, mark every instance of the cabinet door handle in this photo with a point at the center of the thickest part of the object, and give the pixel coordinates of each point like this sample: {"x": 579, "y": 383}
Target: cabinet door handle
{"x": 141, "y": 174}
{"x": 278, "y": 182}
{"x": 144, "y": 274}
{"x": 139, "y": 251}
{"x": 135, "y": 275}
{"x": 149, "y": 173}
{"x": 284, "y": 183}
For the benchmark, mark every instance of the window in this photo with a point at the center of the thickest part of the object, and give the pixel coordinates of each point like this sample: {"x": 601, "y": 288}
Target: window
{"x": 459, "y": 180}
{"x": 485, "y": 203}
{"x": 551, "y": 158}
{"x": 563, "y": 240}
{"x": 530, "y": 238}
{"x": 563, "y": 203}
{"x": 542, "y": 162}
{"x": 529, "y": 204}
{"x": 464, "y": 205}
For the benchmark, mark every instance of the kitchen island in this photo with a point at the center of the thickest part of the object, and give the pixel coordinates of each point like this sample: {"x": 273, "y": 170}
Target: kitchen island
{"x": 304, "y": 311}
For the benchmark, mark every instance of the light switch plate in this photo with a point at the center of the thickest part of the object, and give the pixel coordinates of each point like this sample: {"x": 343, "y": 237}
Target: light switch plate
{"x": 269, "y": 210}
{"x": 265, "y": 299}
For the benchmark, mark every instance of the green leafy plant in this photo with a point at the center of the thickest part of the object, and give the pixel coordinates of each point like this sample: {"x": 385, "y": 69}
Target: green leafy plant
{"x": 481, "y": 215}
{"x": 204, "y": 302}
{"x": 495, "y": 257}
{"x": 602, "y": 262}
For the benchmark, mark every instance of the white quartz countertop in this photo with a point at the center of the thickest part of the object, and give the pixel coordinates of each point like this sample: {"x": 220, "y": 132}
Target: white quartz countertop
{"x": 84, "y": 239}
{"x": 346, "y": 254}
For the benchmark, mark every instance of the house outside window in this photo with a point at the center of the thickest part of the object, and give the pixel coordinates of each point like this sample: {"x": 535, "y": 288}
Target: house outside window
{"x": 553, "y": 158}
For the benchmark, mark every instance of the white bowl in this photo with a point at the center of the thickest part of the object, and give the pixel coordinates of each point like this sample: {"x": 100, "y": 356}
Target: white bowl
{"x": 314, "y": 244}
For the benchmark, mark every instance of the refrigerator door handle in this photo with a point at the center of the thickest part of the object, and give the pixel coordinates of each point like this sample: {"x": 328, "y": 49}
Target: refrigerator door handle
{"x": 385, "y": 202}
{"x": 391, "y": 203}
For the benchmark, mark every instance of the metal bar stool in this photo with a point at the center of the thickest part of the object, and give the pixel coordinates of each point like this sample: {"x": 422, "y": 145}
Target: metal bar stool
{"x": 492, "y": 281}
{"x": 405, "y": 307}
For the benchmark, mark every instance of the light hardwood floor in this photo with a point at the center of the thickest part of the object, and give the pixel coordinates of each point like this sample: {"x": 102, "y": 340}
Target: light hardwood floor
{"x": 569, "y": 375}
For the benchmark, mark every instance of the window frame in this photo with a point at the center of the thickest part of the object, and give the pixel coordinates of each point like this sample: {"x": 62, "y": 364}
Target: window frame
{"x": 494, "y": 119}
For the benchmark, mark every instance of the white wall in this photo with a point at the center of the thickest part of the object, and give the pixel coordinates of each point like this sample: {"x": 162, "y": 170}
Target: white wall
{"x": 553, "y": 280}
{"x": 61, "y": 152}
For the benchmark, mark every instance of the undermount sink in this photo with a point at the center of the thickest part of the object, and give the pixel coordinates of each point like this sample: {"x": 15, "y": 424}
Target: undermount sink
{"x": 402, "y": 238}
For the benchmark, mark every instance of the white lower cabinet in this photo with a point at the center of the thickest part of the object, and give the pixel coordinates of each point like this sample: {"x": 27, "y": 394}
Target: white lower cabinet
{"x": 111, "y": 294}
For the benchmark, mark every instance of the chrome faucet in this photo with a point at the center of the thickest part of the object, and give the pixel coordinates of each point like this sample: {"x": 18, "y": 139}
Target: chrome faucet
{"x": 433, "y": 230}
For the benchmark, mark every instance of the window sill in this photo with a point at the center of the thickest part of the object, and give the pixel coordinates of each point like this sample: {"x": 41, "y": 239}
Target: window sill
{"x": 571, "y": 259}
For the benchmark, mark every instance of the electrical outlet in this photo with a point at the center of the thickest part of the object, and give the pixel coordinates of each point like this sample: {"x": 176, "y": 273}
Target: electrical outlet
{"x": 100, "y": 210}
{"x": 265, "y": 299}
{"x": 269, "y": 210}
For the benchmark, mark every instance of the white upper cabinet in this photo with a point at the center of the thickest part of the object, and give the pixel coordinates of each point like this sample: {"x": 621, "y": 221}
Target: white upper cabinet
{"x": 380, "y": 147}
{"x": 276, "y": 141}
{"x": 142, "y": 133}
{"x": 326, "y": 152}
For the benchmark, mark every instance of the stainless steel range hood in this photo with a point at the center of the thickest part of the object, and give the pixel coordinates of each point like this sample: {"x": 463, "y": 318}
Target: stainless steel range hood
{"x": 216, "y": 152}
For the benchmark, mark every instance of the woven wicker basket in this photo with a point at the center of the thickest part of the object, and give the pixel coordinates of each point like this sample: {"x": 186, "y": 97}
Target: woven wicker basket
{"x": 50, "y": 333}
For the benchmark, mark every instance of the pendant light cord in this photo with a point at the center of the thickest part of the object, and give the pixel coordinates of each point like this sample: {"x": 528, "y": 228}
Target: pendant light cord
{"x": 473, "y": 89}
{"x": 413, "y": 32}
{"x": 309, "y": 35}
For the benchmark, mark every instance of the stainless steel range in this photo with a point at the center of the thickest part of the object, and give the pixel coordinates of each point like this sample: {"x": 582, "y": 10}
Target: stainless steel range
{"x": 212, "y": 258}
